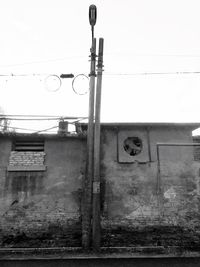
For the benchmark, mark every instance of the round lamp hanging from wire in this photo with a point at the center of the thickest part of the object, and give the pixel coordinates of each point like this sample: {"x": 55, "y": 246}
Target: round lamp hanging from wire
{"x": 52, "y": 83}
{"x": 80, "y": 84}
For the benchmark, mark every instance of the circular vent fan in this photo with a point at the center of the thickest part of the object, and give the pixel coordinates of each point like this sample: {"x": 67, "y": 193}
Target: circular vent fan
{"x": 133, "y": 145}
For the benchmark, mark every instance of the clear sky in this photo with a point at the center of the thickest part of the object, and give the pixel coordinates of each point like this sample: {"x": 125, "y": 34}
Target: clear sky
{"x": 141, "y": 36}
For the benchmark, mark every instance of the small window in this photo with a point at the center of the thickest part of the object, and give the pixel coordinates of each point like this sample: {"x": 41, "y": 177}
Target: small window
{"x": 28, "y": 145}
{"x": 27, "y": 155}
{"x": 26, "y": 168}
{"x": 133, "y": 145}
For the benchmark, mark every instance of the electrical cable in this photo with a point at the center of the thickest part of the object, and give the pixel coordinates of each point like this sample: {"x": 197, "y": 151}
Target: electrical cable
{"x": 17, "y": 128}
{"x": 34, "y": 131}
{"x": 105, "y": 73}
{"x": 15, "y": 119}
{"x": 107, "y": 54}
{"x": 45, "y": 130}
{"x": 152, "y": 73}
{"x": 5, "y": 117}
{"x": 24, "y": 75}
{"x": 37, "y": 117}
{"x": 119, "y": 54}
{"x": 41, "y": 61}
{"x": 45, "y": 116}
{"x": 37, "y": 74}
{"x": 26, "y": 115}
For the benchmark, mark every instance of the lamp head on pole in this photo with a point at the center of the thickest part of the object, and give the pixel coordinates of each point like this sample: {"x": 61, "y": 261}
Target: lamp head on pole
{"x": 92, "y": 17}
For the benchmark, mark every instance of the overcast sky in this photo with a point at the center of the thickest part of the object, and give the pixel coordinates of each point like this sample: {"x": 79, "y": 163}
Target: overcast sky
{"x": 141, "y": 36}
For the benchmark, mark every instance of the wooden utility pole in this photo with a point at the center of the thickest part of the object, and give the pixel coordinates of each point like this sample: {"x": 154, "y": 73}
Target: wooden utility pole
{"x": 96, "y": 227}
{"x": 87, "y": 195}
{"x": 91, "y": 197}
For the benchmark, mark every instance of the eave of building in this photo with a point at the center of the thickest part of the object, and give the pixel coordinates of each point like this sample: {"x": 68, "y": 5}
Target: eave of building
{"x": 111, "y": 125}
{"x": 42, "y": 136}
{"x": 122, "y": 125}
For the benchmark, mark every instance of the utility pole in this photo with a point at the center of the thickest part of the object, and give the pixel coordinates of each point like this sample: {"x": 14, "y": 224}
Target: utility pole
{"x": 96, "y": 227}
{"x": 87, "y": 194}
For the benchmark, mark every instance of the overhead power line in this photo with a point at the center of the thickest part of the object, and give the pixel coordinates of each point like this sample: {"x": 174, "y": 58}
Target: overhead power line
{"x": 42, "y": 61}
{"x": 38, "y": 117}
{"x": 106, "y": 73}
{"x": 70, "y": 75}
{"x": 120, "y": 54}
{"x": 24, "y": 75}
{"x": 26, "y": 115}
{"x": 30, "y": 130}
{"x": 45, "y": 130}
{"x": 17, "y": 128}
{"x": 152, "y": 73}
{"x": 106, "y": 54}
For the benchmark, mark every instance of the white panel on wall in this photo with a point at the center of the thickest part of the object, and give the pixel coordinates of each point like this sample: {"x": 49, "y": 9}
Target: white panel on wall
{"x": 133, "y": 146}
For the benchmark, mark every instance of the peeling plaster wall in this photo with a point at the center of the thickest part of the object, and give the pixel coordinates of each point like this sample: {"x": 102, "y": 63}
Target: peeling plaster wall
{"x": 137, "y": 208}
{"x": 48, "y": 214}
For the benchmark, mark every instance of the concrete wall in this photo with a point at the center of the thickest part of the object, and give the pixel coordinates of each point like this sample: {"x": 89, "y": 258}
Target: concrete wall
{"x": 141, "y": 208}
{"x": 44, "y": 209}
{"x": 138, "y": 207}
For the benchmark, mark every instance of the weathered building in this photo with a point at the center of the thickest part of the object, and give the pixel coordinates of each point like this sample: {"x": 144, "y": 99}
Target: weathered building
{"x": 146, "y": 200}
{"x": 41, "y": 182}
{"x": 150, "y": 188}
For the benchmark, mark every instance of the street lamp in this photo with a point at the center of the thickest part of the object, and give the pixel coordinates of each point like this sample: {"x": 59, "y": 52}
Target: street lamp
{"x": 92, "y": 17}
{"x": 87, "y": 203}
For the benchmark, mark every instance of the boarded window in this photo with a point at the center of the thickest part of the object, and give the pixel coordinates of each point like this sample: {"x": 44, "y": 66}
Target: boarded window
{"x": 27, "y": 155}
{"x": 26, "y": 168}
